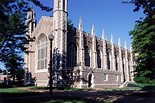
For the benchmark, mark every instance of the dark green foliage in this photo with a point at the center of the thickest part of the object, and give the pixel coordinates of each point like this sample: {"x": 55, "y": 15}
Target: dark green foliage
{"x": 146, "y": 5}
{"x": 12, "y": 23}
{"x": 12, "y": 26}
{"x": 20, "y": 74}
{"x": 143, "y": 42}
{"x": 38, "y": 3}
{"x": 14, "y": 65}
{"x": 70, "y": 23}
{"x": 144, "y": 48}
{"x": 12, "y": 32}
{"x": 142, "y": 80}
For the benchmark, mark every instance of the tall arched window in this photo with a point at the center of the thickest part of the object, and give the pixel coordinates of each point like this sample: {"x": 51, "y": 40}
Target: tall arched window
{"x": 123, "y": 68}
{"x": 108, "y": 59}
{"x": 72, "y": 55}
{"x": 87, "y": 56}
{"x": 98, "y": 59}
{"x": 116, "y": 62}
{"x": 42, "y": 52}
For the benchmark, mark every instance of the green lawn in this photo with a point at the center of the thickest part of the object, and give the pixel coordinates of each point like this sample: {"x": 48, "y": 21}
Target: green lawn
{"x": 36, "y": 97}
{"x": 21, "y": 94}
{"x": 12, "y": 90}
{"x": 67, "y": 88}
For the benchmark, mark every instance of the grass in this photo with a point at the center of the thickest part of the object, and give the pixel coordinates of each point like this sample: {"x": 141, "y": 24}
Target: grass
{"x": 144, "y": 85}
{"x": 37, "y": 97}
{"x": 141, "y": 85}
{"x": 126, "y": 88}
{"x": 67, "y": 88}
{"x": 38, "y": 88}
{"x": 21, "y": 95}
{"x": 12, "y": 90}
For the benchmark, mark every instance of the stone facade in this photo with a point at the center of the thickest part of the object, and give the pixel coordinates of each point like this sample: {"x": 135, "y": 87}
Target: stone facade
{"x": 95, "y": 62}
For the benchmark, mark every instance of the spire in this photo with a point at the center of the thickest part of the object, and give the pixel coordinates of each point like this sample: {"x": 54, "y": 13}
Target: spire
{"x": 119, "y": 42}
{"x": 103, "y": 35}
{"x": 31, "y": 20}
{"x": 104, "y": 54}
{"x": 93, "y": 30}
{"x": 94, "y": 55}
{"x": 80, "y": 24}
{"x": 112, "y": 41}
{"x": 125, "y": 45}
{"x": 131, "y": 48}
{"x": 113, "y": 66}
{"x": 81, "y": 43}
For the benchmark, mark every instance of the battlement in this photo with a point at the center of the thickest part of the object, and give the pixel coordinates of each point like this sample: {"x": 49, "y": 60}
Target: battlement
{"x": 46, "y": 18}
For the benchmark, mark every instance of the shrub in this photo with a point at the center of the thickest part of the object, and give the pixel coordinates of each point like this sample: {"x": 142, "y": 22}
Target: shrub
{"x": 141, "y": 80}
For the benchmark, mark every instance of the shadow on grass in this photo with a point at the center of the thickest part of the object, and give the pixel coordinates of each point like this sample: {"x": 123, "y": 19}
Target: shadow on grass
{"x": 35, "y": 97}
{"x": 80, "y": 96}
{"x": 23, "y": 97}
{"x": 60, "y": 88}
{"x": 145, "y": 95}
{"x": 9, "y": 95}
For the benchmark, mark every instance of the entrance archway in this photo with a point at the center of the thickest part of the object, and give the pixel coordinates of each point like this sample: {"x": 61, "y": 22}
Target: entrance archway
{"x": 90, "y": 80}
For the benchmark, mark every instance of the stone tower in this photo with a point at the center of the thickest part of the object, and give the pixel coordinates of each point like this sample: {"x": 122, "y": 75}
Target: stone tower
{"x": 31, "y": 23}
{"x": 60, "y": 15}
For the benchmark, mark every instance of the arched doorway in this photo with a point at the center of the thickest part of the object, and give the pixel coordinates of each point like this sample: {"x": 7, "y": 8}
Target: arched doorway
{"x": 90, "y": 78}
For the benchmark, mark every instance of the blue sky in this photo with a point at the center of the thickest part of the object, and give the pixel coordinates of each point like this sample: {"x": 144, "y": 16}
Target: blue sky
{"x": 115, "y": 17}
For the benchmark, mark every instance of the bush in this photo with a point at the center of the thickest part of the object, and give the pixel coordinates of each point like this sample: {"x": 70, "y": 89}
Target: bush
{"x": 141, "y": 80}
{"x": 152, "y": 82}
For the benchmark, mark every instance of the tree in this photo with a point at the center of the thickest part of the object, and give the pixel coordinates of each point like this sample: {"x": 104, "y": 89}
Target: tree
{"x": 148, "y": 6}
{"x": 14, "y": 64}
{"x": 12, "y": 30}
{"x": 144, "y": 46}
{"x": 143, "y": 41}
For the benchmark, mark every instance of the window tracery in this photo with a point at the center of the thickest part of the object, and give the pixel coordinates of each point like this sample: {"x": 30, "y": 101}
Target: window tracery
{"x": 42, "y": 52}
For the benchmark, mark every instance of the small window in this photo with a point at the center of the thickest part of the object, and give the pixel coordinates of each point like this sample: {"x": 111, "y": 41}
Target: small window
{"x": 105, "y": 77}
{"x": 117, "y": 77}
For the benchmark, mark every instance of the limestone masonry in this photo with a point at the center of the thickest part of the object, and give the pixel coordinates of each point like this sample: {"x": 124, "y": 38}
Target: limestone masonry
{"x": 87, "y": 60}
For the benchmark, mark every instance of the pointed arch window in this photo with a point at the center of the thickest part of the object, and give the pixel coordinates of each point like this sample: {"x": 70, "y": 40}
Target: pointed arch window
{"x": 116, "y": 61}
{"x": 72, "y": 55}
{"x": 123, "y": 63}
{"x": 42, "y": 52}
{"x": 98, "y": 59}
{"x": 87, "y": 56}
{"x": 108, "y": 59}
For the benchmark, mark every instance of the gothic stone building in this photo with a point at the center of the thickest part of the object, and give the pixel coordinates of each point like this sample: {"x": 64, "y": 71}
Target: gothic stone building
{"x": 96, "y": 62}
